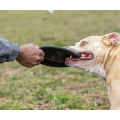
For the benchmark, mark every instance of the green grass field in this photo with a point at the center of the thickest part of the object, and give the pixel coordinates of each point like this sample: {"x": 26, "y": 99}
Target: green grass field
{"x": 43, "y": 87}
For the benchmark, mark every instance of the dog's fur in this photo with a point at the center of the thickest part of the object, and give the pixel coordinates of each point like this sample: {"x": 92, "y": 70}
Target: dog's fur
{"x": 105, "y": 61}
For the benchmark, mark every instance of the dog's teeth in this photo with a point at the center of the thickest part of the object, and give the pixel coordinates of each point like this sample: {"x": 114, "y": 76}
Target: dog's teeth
{"x": 70, "y": 56}
{"x": 82, "y": 55}
{"x": 67, "y": 58}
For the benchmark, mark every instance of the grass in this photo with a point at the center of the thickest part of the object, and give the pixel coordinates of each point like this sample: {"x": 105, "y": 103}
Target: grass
{"x": 43, "y": 87}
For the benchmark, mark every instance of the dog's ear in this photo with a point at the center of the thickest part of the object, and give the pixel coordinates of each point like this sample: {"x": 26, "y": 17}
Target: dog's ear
{"x": 111, "y": 38}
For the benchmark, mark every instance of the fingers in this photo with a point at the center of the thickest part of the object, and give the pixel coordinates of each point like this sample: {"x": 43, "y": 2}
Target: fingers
{"x": 38, "y": 61}
{"x": 41, "y": 59}
{"x": 41, "y": 52}
{"x": 33, "y": 64}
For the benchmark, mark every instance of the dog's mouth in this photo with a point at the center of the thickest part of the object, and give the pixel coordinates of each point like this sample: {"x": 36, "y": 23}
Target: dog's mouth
{"x": 87, "y": 55}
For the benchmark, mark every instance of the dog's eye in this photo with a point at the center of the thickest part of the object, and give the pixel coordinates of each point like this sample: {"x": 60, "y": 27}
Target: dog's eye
{"x": 83, "y": 43}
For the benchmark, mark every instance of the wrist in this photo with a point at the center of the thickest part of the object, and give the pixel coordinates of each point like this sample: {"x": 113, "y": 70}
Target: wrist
{"x": 20, "y": 53}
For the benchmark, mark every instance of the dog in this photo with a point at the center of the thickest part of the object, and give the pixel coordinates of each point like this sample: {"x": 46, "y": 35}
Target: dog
{"x": 100, "y": 55}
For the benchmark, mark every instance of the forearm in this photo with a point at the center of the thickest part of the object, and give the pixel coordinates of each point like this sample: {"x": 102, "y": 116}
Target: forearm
{"x": 8, "y": 51}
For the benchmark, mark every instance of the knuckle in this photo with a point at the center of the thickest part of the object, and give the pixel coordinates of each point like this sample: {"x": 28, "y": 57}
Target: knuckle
{"x": 41, "y": 52}
{"x": 35, "y": 63}
{"x": 41, "y": 58}
{"x": 32, "y": 44}
{"x": 37, "y": 46}
{"x": 38, "y": 58}
{"x": 38, "y": 63}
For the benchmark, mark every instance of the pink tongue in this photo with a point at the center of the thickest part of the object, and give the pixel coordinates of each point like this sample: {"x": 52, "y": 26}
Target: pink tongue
{"x": 89, "y": 56}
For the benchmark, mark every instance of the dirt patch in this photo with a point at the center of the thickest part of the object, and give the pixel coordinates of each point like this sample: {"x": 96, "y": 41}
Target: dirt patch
{"x": 2, "y": 100}
{"x": 44, "y": 106}
{"x": 10, "y": 72}
{"x": 97, "y": 96}
{"x": 74, "y": 86}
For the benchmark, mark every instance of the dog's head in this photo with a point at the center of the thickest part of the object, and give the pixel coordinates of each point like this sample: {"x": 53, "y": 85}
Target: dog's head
{"x": 93, "y": 52}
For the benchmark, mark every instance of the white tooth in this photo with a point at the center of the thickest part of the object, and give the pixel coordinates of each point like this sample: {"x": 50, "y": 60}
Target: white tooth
{"x": 70, "y": 56}
{"x": 82, "y": 55}
{"x": 67, "y": 58}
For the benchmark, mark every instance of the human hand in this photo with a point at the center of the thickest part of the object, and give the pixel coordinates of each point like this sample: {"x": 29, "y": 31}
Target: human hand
{"x": 30, "y": 55}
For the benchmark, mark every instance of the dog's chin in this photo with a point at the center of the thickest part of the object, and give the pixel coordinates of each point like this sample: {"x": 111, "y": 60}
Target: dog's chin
{"x": 85, "y": 58}
{"x": 78, "y": 63}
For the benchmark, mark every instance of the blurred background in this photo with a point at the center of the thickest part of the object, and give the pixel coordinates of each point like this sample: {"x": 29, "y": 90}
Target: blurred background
{"x": 47, "y": 88}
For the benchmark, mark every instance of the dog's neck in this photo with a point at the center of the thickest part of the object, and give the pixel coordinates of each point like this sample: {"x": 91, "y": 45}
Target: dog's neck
{"x": 103, "y": 67}
{"x": 110, "y": 57}
{"x": 97, "y": 70}
{"x": 110, "y": 60}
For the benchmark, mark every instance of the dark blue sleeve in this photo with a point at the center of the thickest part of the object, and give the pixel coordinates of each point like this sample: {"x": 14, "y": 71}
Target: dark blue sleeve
{"x": 8, "y": 51}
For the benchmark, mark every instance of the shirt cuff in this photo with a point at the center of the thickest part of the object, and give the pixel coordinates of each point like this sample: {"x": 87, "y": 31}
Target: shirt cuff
{"x": 14, "y": 52}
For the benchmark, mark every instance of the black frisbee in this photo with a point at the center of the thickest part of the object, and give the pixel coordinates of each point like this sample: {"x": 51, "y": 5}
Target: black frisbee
{"x": 55, "y": 56}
